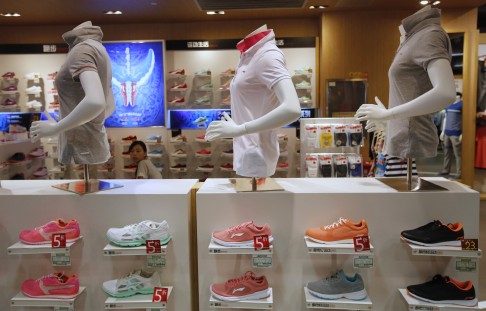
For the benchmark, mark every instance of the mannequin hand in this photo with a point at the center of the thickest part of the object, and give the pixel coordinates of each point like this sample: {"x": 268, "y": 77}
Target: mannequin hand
{"x": 40, "y": 129}
{"x": 373, "y": 112}
{"x": 375, "y": 126}
{"x": 224, "y": 128}
{"x": 460, "y": 138}
{"x": 441, "y": 137}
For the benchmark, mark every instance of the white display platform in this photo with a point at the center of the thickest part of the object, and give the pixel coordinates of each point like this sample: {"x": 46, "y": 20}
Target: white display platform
{"x": 308, "y": 203}
{"x": 113, "y": 250}
{"x": 449, "y": 251}
{"x": 20, "y": 300}
{"x": 137, "y": 302}
{"x": 20, "y": 248}
{"x": 336, "y": 304}
{"x": 334, "y": 248}
{"x": 29, "y": 204}
{"x": 215, "y": 248}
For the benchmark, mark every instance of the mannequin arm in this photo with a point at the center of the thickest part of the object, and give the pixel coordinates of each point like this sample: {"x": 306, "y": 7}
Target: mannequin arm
{"x": 440, "y": 96}
{"x": 88, "y": 108}
{"x": 287, "y": 112}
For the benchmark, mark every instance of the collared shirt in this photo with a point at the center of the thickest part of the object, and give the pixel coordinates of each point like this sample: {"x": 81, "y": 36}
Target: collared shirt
{"x": 87, "y": 143}
{"x": 260, "y": 68}
{"x": 425, "y": 41}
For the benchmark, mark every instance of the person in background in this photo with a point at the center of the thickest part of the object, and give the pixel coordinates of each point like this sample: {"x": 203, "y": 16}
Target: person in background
{"x": 451, "y": 137}
{"x": 145, "y": 168}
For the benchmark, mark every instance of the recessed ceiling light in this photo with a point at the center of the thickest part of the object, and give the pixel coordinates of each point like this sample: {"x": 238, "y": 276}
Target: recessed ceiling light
{"x": 424, "y": 2}
{"x": 435, "y": 2}
{"x": 113, "y": 12}
{"x": 317, "y": 7}
{"x": 10, "y": 14}
{"x": 215, "y": 12}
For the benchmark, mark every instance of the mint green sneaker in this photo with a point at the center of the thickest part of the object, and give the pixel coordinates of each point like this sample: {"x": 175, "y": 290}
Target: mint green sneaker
{"x": 136, "y": 282}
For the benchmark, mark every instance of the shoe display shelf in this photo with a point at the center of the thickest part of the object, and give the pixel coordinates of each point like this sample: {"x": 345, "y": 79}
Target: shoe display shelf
{"x": 35, "y": 92}
{"x": 312, "y": 202}
{"x": 313, "y": 302}
{"x": 9, "y": 102}
{"x": 26, "y": 168}
{"x": 20, "y": 300}
{"x": 416, "y": 304}
{"x": 302, "y": 81}
{"x": 136, "y": 201}
{"x": 444, "y": 251}
{"x": 20, "y": 248}
{"x": 335, "y": 248}
{"x": 257, "y": 304}
{"x": 138, "y": 302}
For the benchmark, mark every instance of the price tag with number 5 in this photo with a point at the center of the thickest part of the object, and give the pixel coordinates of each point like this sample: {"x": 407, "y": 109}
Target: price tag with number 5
{"x": 469, "y": 244}
{"x": 58, "y": 240}
{"x": 361, "y": 243}
{"x": 153, "y": 247}
{"x": 160, "y": 294}
{"x": 261, "y": 242}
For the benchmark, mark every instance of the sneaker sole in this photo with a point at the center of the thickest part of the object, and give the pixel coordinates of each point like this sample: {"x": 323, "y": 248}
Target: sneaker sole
{"x": 137, "y": 243}
{"x": 347, "y": 241}
{"x": 146, "y": 291}
{"x": 467, "y": 303}
{"x": 446, "y": 243}
{"x": 257, "y": 295}
{"x": 52, "y": 296}
{"x": 360, "y": 295}
{"x": 238, "y": 244}
{"x": 48, "y": 242}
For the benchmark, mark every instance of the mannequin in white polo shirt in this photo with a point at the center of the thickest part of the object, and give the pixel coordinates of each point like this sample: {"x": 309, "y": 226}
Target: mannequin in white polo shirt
{"x": 263, "y": 98}
{"x": 421, "y": 83}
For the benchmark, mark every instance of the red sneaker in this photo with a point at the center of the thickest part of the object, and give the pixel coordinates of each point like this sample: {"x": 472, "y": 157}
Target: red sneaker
{"x": 43, "y": 234}
{"x": 8, "y": 75}
{"x": 226, "y": 167}
{"x": 241, "y": 235}
{"x": 177, "y": 72}
{"x": 56, "y": 285}
{"x": 181, "y": 86}
{"x": 247, "y": 287}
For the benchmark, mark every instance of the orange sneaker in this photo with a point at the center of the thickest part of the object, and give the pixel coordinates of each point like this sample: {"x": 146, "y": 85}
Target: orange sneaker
{"x": 341, "y": 231}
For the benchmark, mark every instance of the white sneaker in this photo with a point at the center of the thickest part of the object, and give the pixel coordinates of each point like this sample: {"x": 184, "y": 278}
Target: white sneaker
{"x": 33, "y": 90}
{"x": 33, "y": 76}
{"x": 35, "y": 104}
{"x": 137, "y": 282}
{"x": 303, "y": 71}
{"x": 137, "y": 234}
{"x": 303, "y": 85}
{"x": 41, "y": 172}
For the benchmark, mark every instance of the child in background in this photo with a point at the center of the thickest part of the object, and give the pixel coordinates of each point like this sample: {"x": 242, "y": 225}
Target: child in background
{"x": 145, "y": 167}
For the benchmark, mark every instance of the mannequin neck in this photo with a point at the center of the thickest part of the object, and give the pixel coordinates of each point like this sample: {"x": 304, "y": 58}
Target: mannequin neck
{"x": 252, "y": 39}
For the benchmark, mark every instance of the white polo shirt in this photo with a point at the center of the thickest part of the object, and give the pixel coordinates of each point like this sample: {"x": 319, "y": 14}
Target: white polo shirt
{"x": 260, "y": 68}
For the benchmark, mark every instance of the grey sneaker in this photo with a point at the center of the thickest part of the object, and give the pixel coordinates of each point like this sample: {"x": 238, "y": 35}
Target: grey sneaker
{"x": 339, "y": 285}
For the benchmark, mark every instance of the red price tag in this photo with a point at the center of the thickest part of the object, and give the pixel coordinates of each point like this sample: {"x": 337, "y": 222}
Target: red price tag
{"x": 58, "y": 240}
{"x": 469, "y": 244}
{"x": 361, "y": 243}
{"x": 261, "y": 242}
{"x": 160, "y": 294}
{"x": 153, "y": 247}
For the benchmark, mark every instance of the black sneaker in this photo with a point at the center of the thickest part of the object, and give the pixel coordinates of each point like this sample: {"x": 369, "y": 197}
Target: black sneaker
{"x": 17, "y": 157}
{"x": 445, "y": 290}
{"x": 435, "y": 234}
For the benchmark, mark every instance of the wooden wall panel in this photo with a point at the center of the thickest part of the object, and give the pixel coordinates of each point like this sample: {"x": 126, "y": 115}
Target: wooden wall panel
{"x": 169, "y": 31}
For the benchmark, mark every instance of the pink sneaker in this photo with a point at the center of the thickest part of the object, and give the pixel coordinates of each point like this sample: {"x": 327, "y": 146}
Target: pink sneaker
{"x": 241, "y": 235}
{"x": 247, "y": 287}
{"x": 56, "y": 285}
{"x": 42, "y": 235}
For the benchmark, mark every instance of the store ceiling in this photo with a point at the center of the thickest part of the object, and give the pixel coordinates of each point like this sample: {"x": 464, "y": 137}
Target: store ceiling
{"x": 73, "y": 12}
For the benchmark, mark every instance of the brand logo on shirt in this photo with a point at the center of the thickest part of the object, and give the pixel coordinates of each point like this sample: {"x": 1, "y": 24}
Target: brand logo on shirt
{"x": 238, "y": 290}
{"x": 236, "y": 234}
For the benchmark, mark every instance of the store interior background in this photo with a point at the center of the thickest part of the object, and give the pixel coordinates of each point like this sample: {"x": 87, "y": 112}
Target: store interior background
{"x": 351, "y": 39}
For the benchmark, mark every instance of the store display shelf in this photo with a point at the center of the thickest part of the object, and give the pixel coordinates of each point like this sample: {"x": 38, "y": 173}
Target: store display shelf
{"x": 176, "y": 76}
{"x": 336, "y": 304}
{"x": 445, "y": 251}
{"x": 137, "y": 302}
{"x": 154, "y": 142}
{"x": 308, "y": 75}
{"x": 126, "y": 170}
{"x": 113, "y": 250}
{"x": 28, "y": 161}
{"x": 20, "y": 300}
{"x": 220, "y": 249}
{"x": 154, "y": 155}
{"x": 12, "y": 142}
{"x": 258, "y": 304}
{"x": 415, "y": 304}
{"x": 344, "y": 249}
{"x": 20, "y": 248}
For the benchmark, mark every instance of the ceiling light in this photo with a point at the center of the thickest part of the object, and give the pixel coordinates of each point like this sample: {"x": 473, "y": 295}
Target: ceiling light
{"x": 435, "y": 2}
{"x": 10, "y": 14}
{"x": 215, "y": 12}
{"x": 424, "y": 2}
{"x": 113, "y": 12}
{"x": 317, "y": 7}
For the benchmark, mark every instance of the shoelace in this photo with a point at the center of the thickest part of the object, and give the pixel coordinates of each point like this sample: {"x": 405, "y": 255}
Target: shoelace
{"x": 332, "y": 276}
{"x": 235, "y": 228}
{"x": 248, "y": 275}
{"x": 338, "y": 223}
